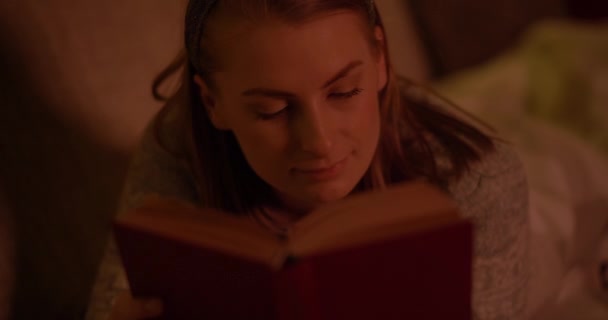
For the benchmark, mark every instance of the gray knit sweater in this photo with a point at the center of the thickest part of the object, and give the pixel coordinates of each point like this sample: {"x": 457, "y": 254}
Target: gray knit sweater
{"x": 493, "y": 194}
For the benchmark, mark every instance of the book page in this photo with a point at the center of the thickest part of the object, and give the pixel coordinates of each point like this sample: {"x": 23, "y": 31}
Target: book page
{"x": 209, "y": 228}
{"x": 360, "y": 218}
{"x": 372, "y": 216}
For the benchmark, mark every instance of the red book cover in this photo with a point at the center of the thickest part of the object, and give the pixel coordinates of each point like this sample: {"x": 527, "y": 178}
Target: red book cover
{"x": 193, "y": 282}
{"x": 425, "y": 275}
{"x": 410, "y": 259}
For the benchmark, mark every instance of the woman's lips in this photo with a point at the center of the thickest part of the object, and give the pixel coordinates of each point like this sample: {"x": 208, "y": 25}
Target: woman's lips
{"x": 323, "y": 173}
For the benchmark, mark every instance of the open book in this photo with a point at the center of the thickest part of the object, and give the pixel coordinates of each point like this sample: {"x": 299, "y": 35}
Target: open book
{"x": 391, "y": 254}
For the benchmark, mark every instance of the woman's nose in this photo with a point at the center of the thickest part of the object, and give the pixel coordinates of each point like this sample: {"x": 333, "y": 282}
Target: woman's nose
{"x": 313, "y": 132}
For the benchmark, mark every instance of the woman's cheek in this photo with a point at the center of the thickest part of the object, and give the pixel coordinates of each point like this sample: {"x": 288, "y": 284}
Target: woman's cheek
{"x": 263, "y": 149}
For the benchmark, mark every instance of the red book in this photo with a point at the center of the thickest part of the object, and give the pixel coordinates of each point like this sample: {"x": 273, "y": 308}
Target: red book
{"x": 399, "y": 253}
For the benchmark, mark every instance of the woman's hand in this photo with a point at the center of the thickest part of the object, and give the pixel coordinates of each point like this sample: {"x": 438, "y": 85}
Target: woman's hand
{"x": 128, "y": 308}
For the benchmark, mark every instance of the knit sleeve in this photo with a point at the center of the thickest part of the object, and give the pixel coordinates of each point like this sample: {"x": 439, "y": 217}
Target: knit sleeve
{"x": 153, "y": 170}
{"x": 494, "y": 195}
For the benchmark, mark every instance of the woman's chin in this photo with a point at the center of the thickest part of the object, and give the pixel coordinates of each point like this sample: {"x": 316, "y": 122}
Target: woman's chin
{"x": 307, "y": 197}
{"x": 321, "y": 195}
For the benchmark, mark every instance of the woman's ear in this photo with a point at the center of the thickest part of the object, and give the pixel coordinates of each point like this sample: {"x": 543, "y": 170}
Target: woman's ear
{"x": 381, "y": 57}
{"x": 210, "y": 104}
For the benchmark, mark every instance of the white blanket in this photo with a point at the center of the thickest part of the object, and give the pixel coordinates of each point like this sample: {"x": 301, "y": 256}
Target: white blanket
{"x": 566, "y": 164}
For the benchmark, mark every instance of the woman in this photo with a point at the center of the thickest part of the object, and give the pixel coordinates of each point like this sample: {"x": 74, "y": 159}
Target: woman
{"x": 286, "y": 105}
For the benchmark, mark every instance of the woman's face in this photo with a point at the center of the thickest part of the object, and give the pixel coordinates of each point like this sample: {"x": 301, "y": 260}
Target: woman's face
{"x": 302, "y": 101}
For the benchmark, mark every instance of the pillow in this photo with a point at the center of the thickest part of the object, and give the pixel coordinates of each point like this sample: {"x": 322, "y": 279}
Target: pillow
{"x": 463, "y": 33}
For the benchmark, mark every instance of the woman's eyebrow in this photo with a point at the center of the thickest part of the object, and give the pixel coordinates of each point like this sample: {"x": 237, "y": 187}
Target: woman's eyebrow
{"x": 286, "y": 95}
{"x": 343, "y": 72}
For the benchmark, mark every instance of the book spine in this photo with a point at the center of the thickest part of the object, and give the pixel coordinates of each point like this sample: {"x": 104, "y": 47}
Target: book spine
{"x": 296, "y": 293}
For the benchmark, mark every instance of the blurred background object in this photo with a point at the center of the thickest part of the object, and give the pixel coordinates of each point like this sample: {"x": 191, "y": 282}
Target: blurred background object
{"x": 587, "y": 9}
{"x": 75, "y": 97}
{"x": 7, "y": 267}
{"x": 460, "y": 34}
{"x": 408, "y": 53}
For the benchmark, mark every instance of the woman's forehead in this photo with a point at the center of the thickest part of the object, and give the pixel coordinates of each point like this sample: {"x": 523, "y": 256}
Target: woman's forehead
{"x": 275, "y": 49}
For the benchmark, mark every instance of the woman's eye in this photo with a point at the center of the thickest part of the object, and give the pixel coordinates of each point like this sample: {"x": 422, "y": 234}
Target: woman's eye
{"x": 348, "y": 94}
{"x": 270, "y": 115}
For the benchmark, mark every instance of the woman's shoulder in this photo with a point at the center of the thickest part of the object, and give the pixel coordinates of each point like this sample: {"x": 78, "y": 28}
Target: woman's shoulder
{"x": 158, "y": 164}
{"x": 493, "y": 193}
{"x": 498, "y": 174}
{"x": 496, "y": 169}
